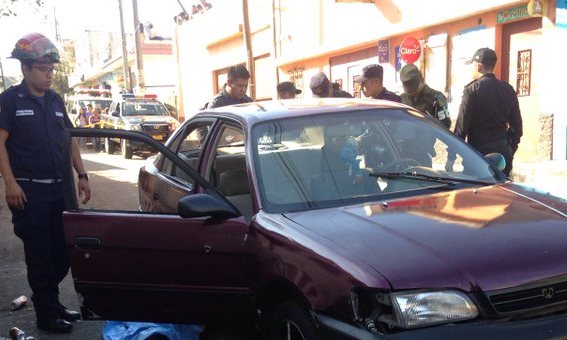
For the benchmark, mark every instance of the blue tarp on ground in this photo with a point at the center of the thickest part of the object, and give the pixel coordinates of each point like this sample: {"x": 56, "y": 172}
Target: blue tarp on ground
{"x": 117, "y": 330}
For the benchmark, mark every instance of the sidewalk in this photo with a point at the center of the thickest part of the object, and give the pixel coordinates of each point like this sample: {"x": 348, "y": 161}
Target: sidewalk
{"x": 549, "y": 176}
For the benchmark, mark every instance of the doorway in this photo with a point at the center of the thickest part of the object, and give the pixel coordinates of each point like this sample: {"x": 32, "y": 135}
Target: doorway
{"x": 520, "y": 65}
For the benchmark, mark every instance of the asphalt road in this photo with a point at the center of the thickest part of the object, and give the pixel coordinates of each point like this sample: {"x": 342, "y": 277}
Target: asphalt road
{"x": 113, "y": 181}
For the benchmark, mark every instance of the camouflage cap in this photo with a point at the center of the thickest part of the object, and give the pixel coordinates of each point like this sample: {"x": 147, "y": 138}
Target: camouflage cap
{"x": 410, "y": 73}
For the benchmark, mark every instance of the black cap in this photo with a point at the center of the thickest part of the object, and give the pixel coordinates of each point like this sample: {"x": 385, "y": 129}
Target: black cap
{"x": 320, "y": 85}
{"x": 410, "y": 73}
{"x": 288, "y": 86}
{"x": 370, "y": 71}
{"x": 484, "y": 56}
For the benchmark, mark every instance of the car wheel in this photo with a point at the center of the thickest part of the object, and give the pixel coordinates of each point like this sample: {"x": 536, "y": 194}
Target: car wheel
{"x": 109, "y": 146}
{"x": 293, "y": 322}
{"x": 126, "y": 150}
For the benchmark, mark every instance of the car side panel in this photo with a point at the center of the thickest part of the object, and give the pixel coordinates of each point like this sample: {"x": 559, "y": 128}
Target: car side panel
{"x": 157, "y": 267}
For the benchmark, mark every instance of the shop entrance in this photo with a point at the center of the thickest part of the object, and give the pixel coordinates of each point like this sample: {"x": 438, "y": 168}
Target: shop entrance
{"x": 521, "y": 62}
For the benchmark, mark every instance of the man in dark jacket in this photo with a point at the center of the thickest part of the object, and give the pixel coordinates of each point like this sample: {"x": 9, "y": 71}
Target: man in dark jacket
{"x": 489, "y": 116}
{"x": 234, "y": 91}
{"x": 321, "y": 87}
{"x": 371, "y": 83}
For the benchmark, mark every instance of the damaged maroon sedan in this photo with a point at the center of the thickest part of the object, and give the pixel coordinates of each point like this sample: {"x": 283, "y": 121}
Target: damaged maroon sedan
{"x": 322, "y": 220}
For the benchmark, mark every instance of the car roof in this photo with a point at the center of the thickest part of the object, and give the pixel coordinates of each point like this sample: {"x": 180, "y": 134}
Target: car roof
{"x": 277, "y": 109}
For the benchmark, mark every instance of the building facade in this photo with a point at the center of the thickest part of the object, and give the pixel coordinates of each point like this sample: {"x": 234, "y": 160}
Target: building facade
{"x": 293, "y": 40}
{"x": 99, "y": 64}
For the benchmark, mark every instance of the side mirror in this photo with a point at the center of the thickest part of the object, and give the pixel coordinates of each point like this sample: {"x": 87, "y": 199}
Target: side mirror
{"x": 114, "y": 114}
{"x": 199, "y": 205}
{"x": 496, "y": 160}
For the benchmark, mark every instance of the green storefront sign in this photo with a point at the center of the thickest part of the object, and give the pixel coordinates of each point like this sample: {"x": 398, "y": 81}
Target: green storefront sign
{"x": 512, "y": 14}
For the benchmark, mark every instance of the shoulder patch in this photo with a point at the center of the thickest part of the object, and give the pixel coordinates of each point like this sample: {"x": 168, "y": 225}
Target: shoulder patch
{"x": 474, "y": 81}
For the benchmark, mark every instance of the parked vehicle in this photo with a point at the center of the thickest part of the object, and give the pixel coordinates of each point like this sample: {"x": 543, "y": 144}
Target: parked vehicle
{"x": 325, "y": 219}
{"x": 83, "y": 97}
{"x": 137, "y": 113}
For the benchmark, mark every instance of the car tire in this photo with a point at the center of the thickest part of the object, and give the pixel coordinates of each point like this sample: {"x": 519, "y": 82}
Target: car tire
{"x": 126, "y": 150}
{"x": 293, "y": 321}
{"x": 109, "y": 146}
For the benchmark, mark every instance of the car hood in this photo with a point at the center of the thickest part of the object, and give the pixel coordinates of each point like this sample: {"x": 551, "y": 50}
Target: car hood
{"x": 493, "y": 237}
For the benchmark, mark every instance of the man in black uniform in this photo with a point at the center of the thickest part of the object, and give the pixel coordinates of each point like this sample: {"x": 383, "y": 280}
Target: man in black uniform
{"x": 321, "y": 87}
{"x": 234, "y": 91}
{"x": 32, "y": 120}
{"x": 489, "y": 116}
{"x": 371, "y": 84}
{"x": 427, "y": 100}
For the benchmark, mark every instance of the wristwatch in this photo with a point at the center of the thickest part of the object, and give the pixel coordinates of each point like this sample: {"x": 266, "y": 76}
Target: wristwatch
{"x": 83, "y": 176}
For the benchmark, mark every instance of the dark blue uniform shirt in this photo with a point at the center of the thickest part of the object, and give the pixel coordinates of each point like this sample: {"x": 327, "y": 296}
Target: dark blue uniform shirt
{"x": 388, "y": 95}
{"x": 35, "y": 141}
{"x": 224, "y": 99}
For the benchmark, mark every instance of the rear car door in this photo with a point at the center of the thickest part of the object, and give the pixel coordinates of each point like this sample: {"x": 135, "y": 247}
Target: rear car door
{"x": 156, "y": 266}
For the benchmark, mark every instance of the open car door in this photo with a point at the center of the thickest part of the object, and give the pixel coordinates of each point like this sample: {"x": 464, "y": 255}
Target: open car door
{"x": 192, "y": 266}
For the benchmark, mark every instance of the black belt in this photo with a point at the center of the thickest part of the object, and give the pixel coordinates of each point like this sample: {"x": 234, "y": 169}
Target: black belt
{"x": 44, "y": 181}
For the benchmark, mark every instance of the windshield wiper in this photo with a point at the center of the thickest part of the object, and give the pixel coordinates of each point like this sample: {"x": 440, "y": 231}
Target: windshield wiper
{"x": 419, "y": 176}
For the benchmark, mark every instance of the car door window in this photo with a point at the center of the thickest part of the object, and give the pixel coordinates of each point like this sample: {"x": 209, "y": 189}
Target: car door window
{"x": 228, "y": 171}
{"x": 188, "y": 147}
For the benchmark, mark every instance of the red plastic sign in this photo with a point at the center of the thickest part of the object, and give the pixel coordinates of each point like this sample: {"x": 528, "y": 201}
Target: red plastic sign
{"x": 410, "y": 50}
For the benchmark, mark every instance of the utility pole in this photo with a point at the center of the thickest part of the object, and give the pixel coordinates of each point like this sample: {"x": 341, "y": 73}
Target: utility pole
{"x": 56, "y": 24}
{"x": 127, "y": 83}
{"x": 139, "y": 41}
{"x": 274, "y": 50}
{"x": 248, "y": 45}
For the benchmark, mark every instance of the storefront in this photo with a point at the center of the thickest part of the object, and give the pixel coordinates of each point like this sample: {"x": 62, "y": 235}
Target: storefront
{"x": 515, "y": 33}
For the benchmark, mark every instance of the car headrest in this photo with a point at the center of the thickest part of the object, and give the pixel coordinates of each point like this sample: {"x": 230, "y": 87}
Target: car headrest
{"x": 234, "y": 182}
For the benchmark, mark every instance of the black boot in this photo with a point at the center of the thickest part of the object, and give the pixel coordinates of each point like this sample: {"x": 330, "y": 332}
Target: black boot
{"x": 55, "y": 325}
{"x": 67, "y": 314}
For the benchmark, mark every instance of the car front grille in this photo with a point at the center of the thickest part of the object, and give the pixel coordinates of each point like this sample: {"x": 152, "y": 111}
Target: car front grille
{"x": 532, "y": 297}
{"x": 155, "y": 128}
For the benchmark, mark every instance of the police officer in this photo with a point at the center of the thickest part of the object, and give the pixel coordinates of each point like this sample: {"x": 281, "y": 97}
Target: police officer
{"x": 425, "y": 99}
{"x": 321, "y": 87}
{"x": 422, "y": 97}
{"x": 287, "y": 90}
{"x": 32, "y": 120}
{"x": 234, "y": 91}
{"x": 371, "y": 83}
{"x": 489, "y": 115}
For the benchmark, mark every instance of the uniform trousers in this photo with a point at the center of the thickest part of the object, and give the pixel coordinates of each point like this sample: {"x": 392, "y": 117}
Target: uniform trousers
{"x": 501, "y": 146}
{"x": 40, "y": 227}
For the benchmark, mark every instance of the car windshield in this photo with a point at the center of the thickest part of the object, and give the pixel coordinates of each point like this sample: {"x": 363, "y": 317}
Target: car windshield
{"x": 354, "y": 157}
{"x": 100, "y": 103}
{"x": 144, "y": 108}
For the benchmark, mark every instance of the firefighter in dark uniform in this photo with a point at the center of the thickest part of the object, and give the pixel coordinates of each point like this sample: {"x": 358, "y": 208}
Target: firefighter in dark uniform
{"x": 32, "y": 120}
{"x": 234, "y": 91}
{"x": 427, "y": 100}
{"x": 371, "y": 83}
{"x": 489, "y": 116}
{"x": 322, "y": 88}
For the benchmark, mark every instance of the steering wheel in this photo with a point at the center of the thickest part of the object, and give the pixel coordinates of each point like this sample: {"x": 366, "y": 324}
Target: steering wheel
{"x": 400, "y": 164}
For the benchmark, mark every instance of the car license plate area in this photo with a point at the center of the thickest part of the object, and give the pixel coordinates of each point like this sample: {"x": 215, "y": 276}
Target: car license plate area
{"x": 157, "y": 137}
